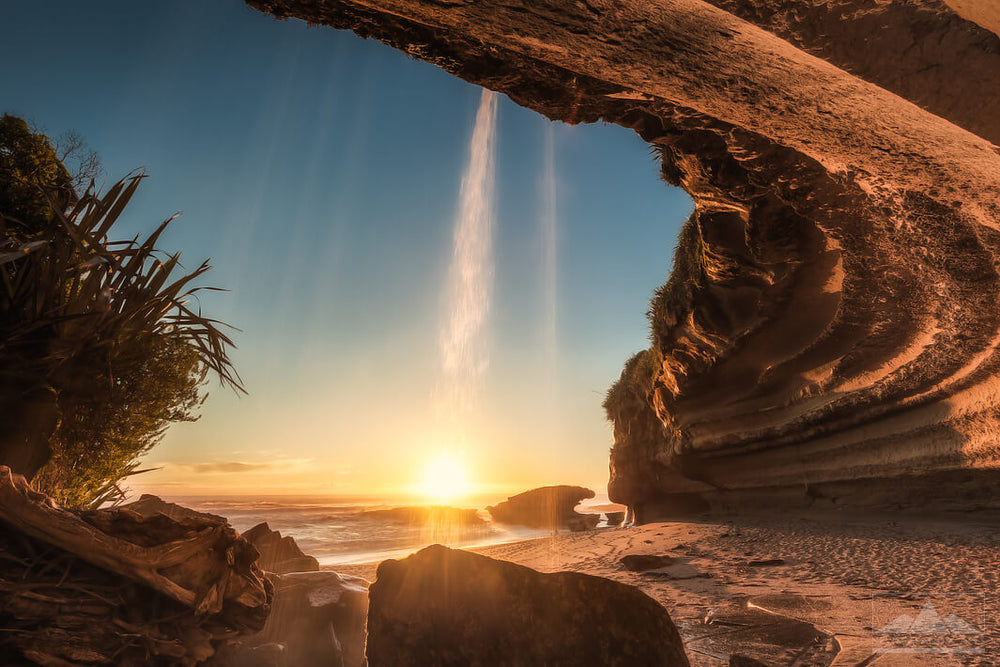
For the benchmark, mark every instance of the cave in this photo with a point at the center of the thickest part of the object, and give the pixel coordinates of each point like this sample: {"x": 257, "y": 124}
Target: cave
{"x": 828, "y": 338}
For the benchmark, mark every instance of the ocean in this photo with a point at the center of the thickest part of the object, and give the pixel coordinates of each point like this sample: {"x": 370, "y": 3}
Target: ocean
{"x": 355, "y": 529}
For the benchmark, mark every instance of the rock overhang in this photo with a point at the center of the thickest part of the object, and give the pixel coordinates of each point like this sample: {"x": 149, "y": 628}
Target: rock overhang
{"x": 838, "y": 321}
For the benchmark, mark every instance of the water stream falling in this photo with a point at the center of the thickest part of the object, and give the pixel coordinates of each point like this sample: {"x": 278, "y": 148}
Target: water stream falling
{"x": 549, "y": 258}
{"x": 464, "y": 350}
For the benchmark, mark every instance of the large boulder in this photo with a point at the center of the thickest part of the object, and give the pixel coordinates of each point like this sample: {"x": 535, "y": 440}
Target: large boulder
{"x": 546, "y": 507}
{"x": 278, "y": 554}
{"x": 448, "y": 607}
{"x": 317, "y": 620}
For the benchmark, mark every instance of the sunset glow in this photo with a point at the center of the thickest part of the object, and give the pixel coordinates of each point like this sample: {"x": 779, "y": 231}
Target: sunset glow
{"x": 371, "y": 337}
{"x": 423, "y": 332}
{"x": 444, "y": 480}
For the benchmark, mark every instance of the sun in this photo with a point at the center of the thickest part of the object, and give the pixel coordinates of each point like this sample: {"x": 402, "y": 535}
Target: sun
{"x": 444, "y": 479}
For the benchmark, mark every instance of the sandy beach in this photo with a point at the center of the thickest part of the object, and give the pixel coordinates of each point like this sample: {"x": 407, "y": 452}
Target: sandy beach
{"x": 848, "y": 587}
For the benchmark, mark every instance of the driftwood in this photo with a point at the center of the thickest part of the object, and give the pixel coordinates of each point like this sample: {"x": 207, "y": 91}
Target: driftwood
{"x": 117, "y": 587}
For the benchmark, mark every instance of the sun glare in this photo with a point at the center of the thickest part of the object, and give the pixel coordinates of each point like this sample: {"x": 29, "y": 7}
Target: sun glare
{"x": 444, "y": 479}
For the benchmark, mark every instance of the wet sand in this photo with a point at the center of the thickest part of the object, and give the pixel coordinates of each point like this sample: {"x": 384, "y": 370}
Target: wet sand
{"x": 872, "y": 591}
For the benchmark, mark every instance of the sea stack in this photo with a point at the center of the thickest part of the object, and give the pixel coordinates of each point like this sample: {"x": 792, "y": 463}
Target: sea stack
{"x": 546, "y": 507}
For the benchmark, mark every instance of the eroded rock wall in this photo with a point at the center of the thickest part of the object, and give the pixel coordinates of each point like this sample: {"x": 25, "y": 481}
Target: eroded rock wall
{"x": 919, "y": 49}
{"x": 832, "y": 324}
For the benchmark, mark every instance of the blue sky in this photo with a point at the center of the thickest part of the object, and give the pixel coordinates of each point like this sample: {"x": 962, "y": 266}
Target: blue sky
{"x": 320, "y": 173}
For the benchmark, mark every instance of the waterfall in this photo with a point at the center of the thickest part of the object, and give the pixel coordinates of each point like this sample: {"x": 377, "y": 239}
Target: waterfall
{"x": 549, "y": 258}
{"x": 464, "y": 351}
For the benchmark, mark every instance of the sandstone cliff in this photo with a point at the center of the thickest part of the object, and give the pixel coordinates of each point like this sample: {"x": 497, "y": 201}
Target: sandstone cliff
{"x": 832, "y": 321}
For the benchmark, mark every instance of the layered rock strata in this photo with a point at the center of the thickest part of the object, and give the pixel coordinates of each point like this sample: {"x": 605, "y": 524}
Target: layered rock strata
{"x": 829, "y": 334}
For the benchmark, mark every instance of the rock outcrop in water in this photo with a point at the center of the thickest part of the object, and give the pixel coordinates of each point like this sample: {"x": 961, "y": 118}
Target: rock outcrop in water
{"x": 829, "y": 334}
{"x": 546, "y": 507}
{"x": 448, "y": 607}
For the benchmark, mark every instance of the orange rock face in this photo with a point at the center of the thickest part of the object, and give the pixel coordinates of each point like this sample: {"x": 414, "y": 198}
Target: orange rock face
{"x": 830, "y": 333}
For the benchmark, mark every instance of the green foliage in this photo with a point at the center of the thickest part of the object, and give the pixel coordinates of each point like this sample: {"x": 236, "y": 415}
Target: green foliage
{"x": 631, "y": 394}
{"x": 632, "y": 391}
{"x": 30, "y": 175}
{"x": 96, "y": 336}
{"x": 675, "y": 299}
{"x": 125, "y": 411}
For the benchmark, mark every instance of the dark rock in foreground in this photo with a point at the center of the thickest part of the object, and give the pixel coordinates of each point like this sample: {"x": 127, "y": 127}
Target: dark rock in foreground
{"x": 753, "y": 637}
{"x": 643, "y": 562}
{"x": 278, "y": 554}
{"x": 546, "y": 507}
{"x": 447, "y": 607}
{"x": 317, "y": 620}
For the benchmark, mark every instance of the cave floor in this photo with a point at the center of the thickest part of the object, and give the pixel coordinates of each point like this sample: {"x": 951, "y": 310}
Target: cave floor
{"x": 845, "y": 591}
